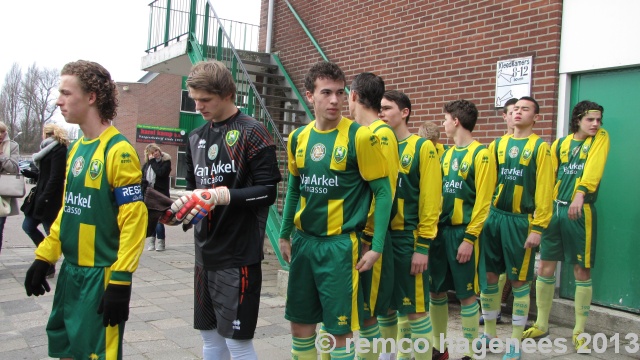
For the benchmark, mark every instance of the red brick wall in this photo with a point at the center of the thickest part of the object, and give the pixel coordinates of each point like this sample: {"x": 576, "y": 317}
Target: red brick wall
{"x": 435, "y": 51}
{"x": 155, "y": 103}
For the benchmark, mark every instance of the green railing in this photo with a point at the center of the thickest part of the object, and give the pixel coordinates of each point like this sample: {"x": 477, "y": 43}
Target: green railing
{"x": 171, "y": 21}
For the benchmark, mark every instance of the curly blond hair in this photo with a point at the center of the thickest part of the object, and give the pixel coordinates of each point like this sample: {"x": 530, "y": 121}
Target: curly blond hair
{"x": 429, "y": 130}
{"x": 56, "y": 132}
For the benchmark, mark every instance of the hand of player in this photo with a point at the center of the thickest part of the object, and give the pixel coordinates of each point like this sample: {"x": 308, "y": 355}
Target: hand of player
{"x": 367, "y": 261}
{"x": 464, "y": 252}
{"x": 419, "y": 263}
{"x": 285, "y": 249}
{"x": 36, "y": 280}
{"x": 575, "y": 209}
{"x": 533, "y": 240}
{"x": 115, "y": 304}
{"x": 191, "y": 208}
{"x": 364, "y": 248}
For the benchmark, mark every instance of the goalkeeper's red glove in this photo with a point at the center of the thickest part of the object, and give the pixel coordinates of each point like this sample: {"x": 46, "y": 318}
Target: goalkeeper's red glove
{"x": 190, "y": 209}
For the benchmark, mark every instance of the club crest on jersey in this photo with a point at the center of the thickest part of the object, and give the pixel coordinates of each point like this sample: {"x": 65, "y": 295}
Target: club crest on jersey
{"x": 339, "y": 154}
{"x": 78, "y": 165}
{"x": 232, "y": 137}
{"x": 526, "y": 154}
{"x": 95, "y": 168}
{"x": 585, "y": 149}
{"x": 213, "y": 152}
{"x": 513, "y": 152}
{"x": 202, "y": 144}
{"x": 464, "y": 167}
{"x": 406, "y": 160}
{"x": 454, "y": 165}
{"x": 318, "y": 151}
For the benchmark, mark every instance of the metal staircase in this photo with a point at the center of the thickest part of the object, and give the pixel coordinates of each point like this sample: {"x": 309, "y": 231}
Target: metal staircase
{"x": 183, "y": 32}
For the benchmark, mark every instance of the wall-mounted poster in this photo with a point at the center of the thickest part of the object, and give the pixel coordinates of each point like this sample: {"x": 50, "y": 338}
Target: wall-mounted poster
{"x": 513, "y": 79}
{"x": 161, "y": 135}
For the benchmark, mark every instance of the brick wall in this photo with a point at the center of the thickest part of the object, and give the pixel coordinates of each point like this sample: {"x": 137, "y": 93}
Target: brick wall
{"x": 435, "y": 51}
{"x": 154, "y": 103}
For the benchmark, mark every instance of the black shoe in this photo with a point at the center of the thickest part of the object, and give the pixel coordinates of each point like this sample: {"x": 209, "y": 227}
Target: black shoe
{"x": 51, "y": 272}
{"x": 437, "y": 355}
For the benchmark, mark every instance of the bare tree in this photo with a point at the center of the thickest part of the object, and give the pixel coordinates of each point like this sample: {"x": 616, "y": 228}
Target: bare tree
{"x": 10, "y": 99}
{"x": 38, "y": 99}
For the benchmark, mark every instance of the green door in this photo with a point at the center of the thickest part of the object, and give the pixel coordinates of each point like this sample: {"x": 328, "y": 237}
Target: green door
{"x": 616, "y": 274}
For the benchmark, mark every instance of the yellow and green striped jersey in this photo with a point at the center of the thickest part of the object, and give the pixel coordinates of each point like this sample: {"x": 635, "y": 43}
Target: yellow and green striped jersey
{"x": 525, "y": 177}
{"x": 334, "y": 167}
{"x": 103, "y": 220}
{"x": 579, "y": 165}
{"x": 389, "y": 147}
{"x": 441, "y": 148}
{"x": 468, "y": 181}
{"x": 419, "y": 191}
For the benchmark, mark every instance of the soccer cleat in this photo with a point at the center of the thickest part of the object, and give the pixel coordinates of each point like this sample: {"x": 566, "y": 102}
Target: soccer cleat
{"x": 482, "y": 342}
{"x": 151, "y": 243}
{"x": 498, "y": 319}
{"x": 466, "y": 358}
{"x": 437, "y": 355}
{"x": 534, "y": 333}
{"x": 580, "y": 344}
{"x": 160, "y": 245}
{"x": 512, "y": 354}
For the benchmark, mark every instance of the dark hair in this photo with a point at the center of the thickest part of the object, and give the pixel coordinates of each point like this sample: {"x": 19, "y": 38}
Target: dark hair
{"x": 323, "y": 70}
{"x": 581, "y": 110}
{"x": 94, "y": 78}
{"x": 213, "y": 77}
{"x": 370, "y": 89}
{"x": 529, "y": 98}
{"x": 401, "y": 99}
{"x": 465, "y": 111}
{"x": 511, "y": 101}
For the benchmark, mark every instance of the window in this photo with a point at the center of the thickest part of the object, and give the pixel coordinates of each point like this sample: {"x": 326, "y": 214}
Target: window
{"x": 187, "y": 103}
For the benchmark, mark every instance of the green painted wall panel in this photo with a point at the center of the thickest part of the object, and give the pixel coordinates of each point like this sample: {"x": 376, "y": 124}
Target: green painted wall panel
{"x": 616, "y": 274}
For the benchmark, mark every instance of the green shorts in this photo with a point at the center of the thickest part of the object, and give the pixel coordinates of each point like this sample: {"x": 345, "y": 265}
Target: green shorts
{"x": 503, "y": 237}
{"x": 446, "y": 272}
{"x": 572, "y": 241}
{"x": 377, "y": 283}
{"x": 323, "y": 282}
{"x": 75, "y": 328}
{"x": 410, "y": 292}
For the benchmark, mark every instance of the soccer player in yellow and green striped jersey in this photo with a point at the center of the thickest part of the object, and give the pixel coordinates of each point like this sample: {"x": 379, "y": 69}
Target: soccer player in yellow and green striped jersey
{"x": 335, "y": 167}
{"x": 468, "y": 180}
{"x": 512, "y": 232}
{"x": 100, "y": 228}
{"x": 578, "y": 161}
{"x": 364, "y": 99}
{"x": 414, "y": 225}
{"x": 493, "y": 312}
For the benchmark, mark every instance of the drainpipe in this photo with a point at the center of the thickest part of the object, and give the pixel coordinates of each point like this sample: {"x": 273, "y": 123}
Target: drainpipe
{"x": 269, "y": 27}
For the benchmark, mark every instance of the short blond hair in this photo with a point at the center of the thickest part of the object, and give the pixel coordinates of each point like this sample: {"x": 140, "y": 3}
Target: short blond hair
{"x": 151, "y": 148}
{"x": 3, "y": 126}
{"x": 429, "y": 130}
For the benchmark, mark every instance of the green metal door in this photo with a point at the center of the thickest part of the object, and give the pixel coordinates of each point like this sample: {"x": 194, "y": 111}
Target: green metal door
{"x": 616, "y": 274}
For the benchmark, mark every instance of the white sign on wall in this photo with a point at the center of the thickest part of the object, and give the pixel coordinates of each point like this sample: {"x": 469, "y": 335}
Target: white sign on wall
{"x": 513, "y": 79}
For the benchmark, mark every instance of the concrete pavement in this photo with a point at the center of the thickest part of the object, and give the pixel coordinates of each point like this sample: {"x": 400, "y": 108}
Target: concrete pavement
{"x": 161, "y": 318}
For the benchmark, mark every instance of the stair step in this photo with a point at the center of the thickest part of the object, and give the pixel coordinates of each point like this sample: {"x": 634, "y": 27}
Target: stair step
{"x": 272, "y": 86}
{"x": 265, "y": 74}
{"x": 260, "y": 63}
{"x": 295, "y": 111}
{"x": 281, "y": 98}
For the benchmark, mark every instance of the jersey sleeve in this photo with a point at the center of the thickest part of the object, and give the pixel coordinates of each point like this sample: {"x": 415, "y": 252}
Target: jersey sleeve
{"x": 124, "y": 178}
{"x": 258, "y": 139}
{"x": 594, "y": 166}
{"x": 544, "y": 189}
{"x": 485, "y": 182}
{"x": 555, "y": 162}
{"x": 371, "y": 161}
{"x": 430, "y": 197}
{"x": 390, "y": 152}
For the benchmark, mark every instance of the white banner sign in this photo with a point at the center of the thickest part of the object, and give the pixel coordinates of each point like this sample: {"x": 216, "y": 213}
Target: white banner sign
{"x": 513, "y": 79}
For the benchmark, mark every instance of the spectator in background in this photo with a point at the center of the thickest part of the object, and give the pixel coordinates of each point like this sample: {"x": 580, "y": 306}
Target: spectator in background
{"x": 430, "y": 131}
{"x": 155, "y": 174}
{"x": 44, "y": 202}
{"x": 9, "y": 156}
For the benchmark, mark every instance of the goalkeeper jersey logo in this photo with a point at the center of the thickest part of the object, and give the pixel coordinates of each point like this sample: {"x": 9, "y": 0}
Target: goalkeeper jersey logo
{"x": 232, "y": 137}
{"x": 213, "y": 152}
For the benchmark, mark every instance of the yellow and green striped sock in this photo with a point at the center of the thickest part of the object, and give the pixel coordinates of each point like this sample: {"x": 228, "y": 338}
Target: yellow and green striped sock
{"x": 490, "y": 299}
{"x": 584, "y": 292}
{"x": 439, "y": 311}
{"x": 304, "y": 348}
{"x": 369, "y": 333}
{"x": 342, "y": 354}
{"x": 388, "y": 329}
{"x": 470, "y": 315}
{"x": 545, "y": 286}
{"x": 422, "y": 337}
{"x": 521, "y": 302}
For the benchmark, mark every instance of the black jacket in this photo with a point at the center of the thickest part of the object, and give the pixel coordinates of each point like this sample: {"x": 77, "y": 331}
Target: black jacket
{"x": 50, "y": 185}
{"x": 162, "y": 169}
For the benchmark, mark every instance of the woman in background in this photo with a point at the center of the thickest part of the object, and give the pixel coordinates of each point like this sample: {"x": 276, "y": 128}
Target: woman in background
{"x": 43, "y": 205}
{"x": 9, "y": 156}
{"x": 155, "y": 174}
